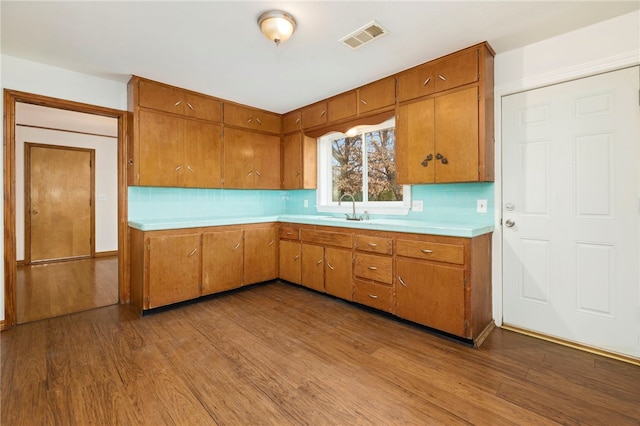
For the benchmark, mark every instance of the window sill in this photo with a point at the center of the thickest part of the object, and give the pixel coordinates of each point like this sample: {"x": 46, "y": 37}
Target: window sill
{"x": 361, "y": 208}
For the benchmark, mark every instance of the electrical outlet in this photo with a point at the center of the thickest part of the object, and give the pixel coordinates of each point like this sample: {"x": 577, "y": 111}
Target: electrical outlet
{"x": 482, "y": 206}
{"x": 102, "y": 197}
{"x": 306, "y": 203}
{"x": 416, "y": 205}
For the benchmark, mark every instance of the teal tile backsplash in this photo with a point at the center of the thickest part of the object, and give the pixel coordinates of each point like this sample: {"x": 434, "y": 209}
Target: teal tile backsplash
{"x": 449, "y": 202}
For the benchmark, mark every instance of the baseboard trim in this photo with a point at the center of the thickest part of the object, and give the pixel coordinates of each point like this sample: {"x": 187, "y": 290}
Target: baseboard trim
{"x": 106, "y": 253}
{"x": 574, "y": 345}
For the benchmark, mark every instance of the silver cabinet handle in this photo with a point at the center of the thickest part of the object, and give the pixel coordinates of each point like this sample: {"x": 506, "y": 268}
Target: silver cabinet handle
{"x": 271, "y": 242}
{"x": 258, "y": 121}
{"x": 296, "y": 257}
{"x": 250, "y": 173}
{"x": 373, "y": 245}
{"x": 442, "y": 77}
{"x": 177, "y": 168}
{"x": 190, "y": 107}
{"x": 426, "y": 81}
{"x": 319, "y": 262}
{"x": 402, "y": 281}
{"x": 363, "y": 101}
{"x": 373, "y": 296}
{"x": 297, "y": 120}
{"x": 373, "y": 268}
{"x": 195, "y": 250}
{"x": 177, "y": 103}
{"x": 426, "y": 251}
{"x": 250, "y": 120}
{"x": 323, "y": 113}
{"x": 258, "y": 173}
{"x": 289, "y": 233}
{"x": 236, "y": 247}
{"x": 509, "y": 223}
{"x": 329, "y": 265}
{"x": 189, "y": 168}
{"x": 298, "y": 173}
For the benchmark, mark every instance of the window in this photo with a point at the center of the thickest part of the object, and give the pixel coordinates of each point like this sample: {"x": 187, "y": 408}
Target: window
{"x": 361, "y": 164}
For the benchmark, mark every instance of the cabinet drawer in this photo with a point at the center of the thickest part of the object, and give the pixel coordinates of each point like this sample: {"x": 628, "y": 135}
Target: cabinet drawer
{"x": 251, "y": 118}
{"x": 375, "y": 295}
{"x": 376, "y": 268}
{"x": 327, "y": 238}
{"x": 451, "y": 253}
{"x": 374, "y": 244}
{"x": 289, "y": 233}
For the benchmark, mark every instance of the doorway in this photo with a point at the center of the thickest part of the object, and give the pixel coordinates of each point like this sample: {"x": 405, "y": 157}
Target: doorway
{"x": 11, "y": 98}
{"x": 59, "y": 203}
{"x": 571, "y": 240}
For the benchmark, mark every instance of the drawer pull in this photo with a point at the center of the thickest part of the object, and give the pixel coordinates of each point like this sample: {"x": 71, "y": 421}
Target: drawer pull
{"x": 195, "y": 250}
{"x": 189, "y": 168}
{"x": 402, "y": 281}
{"x": 426, "y": 251}
{"x": 258, "y": 121}
{"x": 271, "y": 242}
{"x": 426, "y": 81}
{"x": 319, "y": 262}
{"x": 236, "y": 247}
{"x": 289, "y": 233}
{"x": 177, "y": 103}
{"x": 329, "y": 265}
{"x": 373, "y": 245}
{"x": 297, "y": 120}
{"x": 373, "y": 296}
{"x": 177, "y": 168}
{"x": 296, "y": 257}
{"x": 363, "y": 101}
{"x": 442, "y": 77}
{"x": 190, "y": 107}
{"x": 258, "y": 173}
{"x": 373, "y": 268}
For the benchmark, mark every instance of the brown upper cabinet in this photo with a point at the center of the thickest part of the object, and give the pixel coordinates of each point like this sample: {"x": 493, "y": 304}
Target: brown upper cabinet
{"x": 343, "y": 106}
{"x": 299, "y": 161}
{"x": 314, "y": 115}
{"x": 251, "y": 118}
{"x": 377, "y": 95}
{"x": 171, "y": 99}
{"x": 291, "y": 122}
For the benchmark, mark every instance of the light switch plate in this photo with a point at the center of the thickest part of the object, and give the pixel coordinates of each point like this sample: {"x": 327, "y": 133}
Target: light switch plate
{"x": 482, "y": 206}
{"x": 416, "y": 205}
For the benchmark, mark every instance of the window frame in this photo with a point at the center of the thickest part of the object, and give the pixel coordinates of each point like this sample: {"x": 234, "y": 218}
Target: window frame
{"x": 324, "y": 202}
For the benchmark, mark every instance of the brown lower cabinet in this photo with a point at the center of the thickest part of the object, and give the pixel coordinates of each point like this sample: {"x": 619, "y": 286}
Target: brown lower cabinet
{"x": 175, "y": 265}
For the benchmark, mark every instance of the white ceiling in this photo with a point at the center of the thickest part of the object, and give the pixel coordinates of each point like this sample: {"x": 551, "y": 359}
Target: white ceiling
{"x": 215, "y": 47}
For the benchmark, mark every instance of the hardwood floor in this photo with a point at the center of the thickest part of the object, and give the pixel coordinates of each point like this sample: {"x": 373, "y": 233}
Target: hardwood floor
{"x": 54, "y": 289}
{"x": 283, "y": 355}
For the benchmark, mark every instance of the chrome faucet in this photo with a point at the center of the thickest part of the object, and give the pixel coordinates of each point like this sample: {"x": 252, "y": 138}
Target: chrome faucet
{"x": 353, "y": 201}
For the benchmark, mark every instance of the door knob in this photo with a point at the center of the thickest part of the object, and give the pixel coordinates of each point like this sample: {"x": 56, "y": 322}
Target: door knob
{"x": 509, "y": 223}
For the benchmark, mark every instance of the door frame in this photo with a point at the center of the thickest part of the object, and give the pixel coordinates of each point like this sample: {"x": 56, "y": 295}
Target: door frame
{"x": 27, "y": 200}
{"x": 11, "y": 97}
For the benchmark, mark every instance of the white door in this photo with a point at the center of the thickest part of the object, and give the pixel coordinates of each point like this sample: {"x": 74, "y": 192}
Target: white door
{"x": 571, "y": 211}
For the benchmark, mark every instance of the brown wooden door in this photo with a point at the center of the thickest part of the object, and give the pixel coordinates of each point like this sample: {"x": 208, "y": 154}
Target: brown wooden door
{"x": 161, "y": 150}
{"x": 313, "y": 267}
{"x": 456, "y": 135}
{"x": 431, "y": 294}
{"x": 266, "y": 161}
{"x": 202, "y": 155}
{"x": 175, "y": 265}
{"x": 289, "y": 261}
{"x": 292, "y": 161}
{"x": 222, "y": 261}
{"x": 415, "y": 156}
{"x": 238, "y": 159}
{"x": 261, "y": 251}
{"x": 59, "y": 202}
{"x": 338, "y": 277}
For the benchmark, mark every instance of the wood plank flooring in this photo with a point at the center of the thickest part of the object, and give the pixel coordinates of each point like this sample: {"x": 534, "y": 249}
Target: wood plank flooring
{"x": 278, "y": 354}
{"x": 60, "y": 288}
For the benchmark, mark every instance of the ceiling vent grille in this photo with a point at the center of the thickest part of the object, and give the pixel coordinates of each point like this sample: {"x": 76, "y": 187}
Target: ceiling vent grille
{"x": 364, "y": 35}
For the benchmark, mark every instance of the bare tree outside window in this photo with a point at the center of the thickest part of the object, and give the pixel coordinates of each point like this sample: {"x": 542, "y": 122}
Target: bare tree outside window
{"x": 354, "y": 166}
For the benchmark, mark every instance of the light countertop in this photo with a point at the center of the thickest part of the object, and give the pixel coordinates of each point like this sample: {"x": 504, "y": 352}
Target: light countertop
{"x": 452, "y": 229}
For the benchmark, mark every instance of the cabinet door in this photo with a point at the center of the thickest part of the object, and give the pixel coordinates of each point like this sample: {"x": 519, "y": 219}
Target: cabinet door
{"x": 291, "y": 122}
{"x": 238, "y": 158}
{"x": 222, "y": 261}
{"x": 314, "y": 115}
{"x": 313, "y": 267}
{"x": 251, "y": 118}
{"x": 260, "y": 254}
{"x": 292, "y": 161}
{"x": 266, "y": 161}
{"x": 416, "y": 82}
{"x": 174, "y": 269}
{"x": 202, "y": 155}
{"x": 415, "y": 143}
{"x": 343, "y": 106}
{"x": 456, "y": 135}
{"x": 289, "y": 261}
{"x": 161, "y": 150}
{"x": 377, "y": 95}
{"x": 431, "y": 294}
{"x": 160, "y": 97}
{"x": 456, "y": 70}
{"x": 202, "y": 107}
{"x": 338, "y": 279}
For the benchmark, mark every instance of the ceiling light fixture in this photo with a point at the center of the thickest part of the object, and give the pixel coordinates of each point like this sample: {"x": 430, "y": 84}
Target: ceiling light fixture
{"x": 276, "y": 25}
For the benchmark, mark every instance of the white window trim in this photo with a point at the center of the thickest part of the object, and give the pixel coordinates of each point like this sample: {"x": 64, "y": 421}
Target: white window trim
{"x": 324, "y": 203}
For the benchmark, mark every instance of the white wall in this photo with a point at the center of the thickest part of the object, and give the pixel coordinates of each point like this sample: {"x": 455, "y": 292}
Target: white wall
{"x": 606, "y": 46}
{"x": 26, "y": 76}
{"x": 106, "y": 163}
